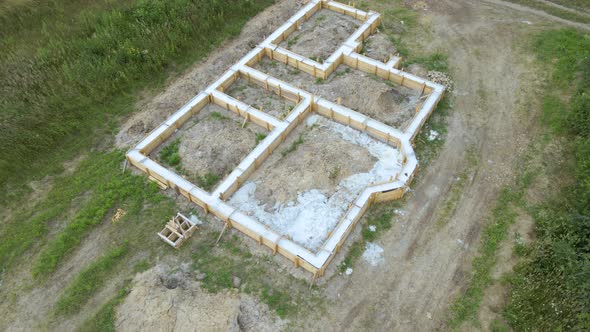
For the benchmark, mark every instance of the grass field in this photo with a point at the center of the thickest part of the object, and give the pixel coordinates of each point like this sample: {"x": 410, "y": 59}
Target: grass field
{"x": 65, "y": 83}
{"x": 559, "y": 12}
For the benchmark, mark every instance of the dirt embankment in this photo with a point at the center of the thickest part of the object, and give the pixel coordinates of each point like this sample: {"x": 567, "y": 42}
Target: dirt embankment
{"x": 171, "y": 299}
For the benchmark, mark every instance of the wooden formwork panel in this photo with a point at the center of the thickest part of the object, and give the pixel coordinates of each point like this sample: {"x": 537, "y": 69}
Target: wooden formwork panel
{"x": 346, "y": 10}
{"x": 137, "y": 163}
{"x": 228, "y": 82}
{"x": 390, "y": 195}
{"x": 166, "y": 131}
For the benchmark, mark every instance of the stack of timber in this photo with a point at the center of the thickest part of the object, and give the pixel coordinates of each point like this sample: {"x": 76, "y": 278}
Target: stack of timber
{"x": 177, "y": 230}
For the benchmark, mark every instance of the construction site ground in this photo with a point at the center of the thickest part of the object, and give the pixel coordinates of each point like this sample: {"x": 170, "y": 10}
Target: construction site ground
{"x": 426, "y": 264}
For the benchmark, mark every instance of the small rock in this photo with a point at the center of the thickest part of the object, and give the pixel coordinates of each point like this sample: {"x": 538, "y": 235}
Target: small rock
{"x": 236, "y": 281}
{"x": 347, "y": 272}
{"x": 372, "y": 228}
{"x": 201, "y": 276}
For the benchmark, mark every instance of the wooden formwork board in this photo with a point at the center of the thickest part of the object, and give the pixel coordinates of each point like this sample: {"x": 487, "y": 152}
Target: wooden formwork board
{"x": 346, "y": 10}
{"x": 306, "y": 102}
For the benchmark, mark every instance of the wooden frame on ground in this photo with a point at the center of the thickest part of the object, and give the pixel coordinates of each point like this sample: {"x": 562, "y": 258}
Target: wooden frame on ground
{"x": 346, "y": 54}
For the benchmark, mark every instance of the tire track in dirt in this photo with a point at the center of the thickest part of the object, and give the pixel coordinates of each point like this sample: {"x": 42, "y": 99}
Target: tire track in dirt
{"x": 427, "y": 265}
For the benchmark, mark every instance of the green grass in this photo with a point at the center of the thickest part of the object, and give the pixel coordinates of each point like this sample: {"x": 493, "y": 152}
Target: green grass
{"x": 260, "y": 137}
{"x": 218, "y": 116}
{"x": 104, "y": 319}
{"x": 207, "y": 181}
{"x": 169, "y": 154}
{"x": 141, "y": 266}
{"x": 579, "y": 4}
{"x": 427, "y": 150}
{"x": 466, "y": 307}
{"x": 67, "y": 81}
{"x": 283, "y": 293}
{"x": 550, "y": 287}
{"x": 555, "y": 11}
{"x": 89, "y": 280}
{"x": 293, "y": 146}
{"x": 99, "y": 178}
{"x": 334, "y": 173}
{"x": 291, "y": 42}
{"x": 380, "y": 216}
{"x": 437, "y": 61}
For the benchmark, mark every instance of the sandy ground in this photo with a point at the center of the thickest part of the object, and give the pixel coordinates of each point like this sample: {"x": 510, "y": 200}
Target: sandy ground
{"x": 319, "y": 36}
{"x": 425, "y": 266}
{"x": 171, "y": 299}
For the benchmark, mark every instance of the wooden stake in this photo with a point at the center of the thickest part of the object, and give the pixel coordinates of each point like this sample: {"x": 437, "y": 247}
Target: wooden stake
{"x": 220, "y": 234}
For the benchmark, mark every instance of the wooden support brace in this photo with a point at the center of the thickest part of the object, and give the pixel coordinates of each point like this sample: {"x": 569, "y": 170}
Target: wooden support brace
{"x": 222, "y": 231}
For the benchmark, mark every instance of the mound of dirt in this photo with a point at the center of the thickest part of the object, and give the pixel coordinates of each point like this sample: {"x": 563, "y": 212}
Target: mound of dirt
{"x": 163, "y": 300}
{"x": 378, "y": 46}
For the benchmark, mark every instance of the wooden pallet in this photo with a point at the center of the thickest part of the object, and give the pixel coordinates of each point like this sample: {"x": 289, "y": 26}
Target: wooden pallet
{"x": 177, "y": 230}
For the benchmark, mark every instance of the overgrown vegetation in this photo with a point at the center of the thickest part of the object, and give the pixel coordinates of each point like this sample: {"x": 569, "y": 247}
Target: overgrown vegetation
{"x": 285, "y": 294}
{"x": 91, "y": 279}
{"x": 169, "y": 154}
{"x": 70, "y": 69}
{"x": 550, "y": 289}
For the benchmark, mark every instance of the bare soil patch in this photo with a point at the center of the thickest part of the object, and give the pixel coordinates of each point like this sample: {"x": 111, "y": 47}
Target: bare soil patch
{"x": 213, "y": 141}
{"x": 319, "y": 36}
{"x": 260, "y": 98}
{"x": 365, "y": 93}
{"x": 320, "y": 162}
{"x": 165, "y": 299}
{"x": 379, "y": 47}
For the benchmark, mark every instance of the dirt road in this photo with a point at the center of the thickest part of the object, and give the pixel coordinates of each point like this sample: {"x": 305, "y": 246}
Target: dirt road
{"x": 426, "y": 263}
